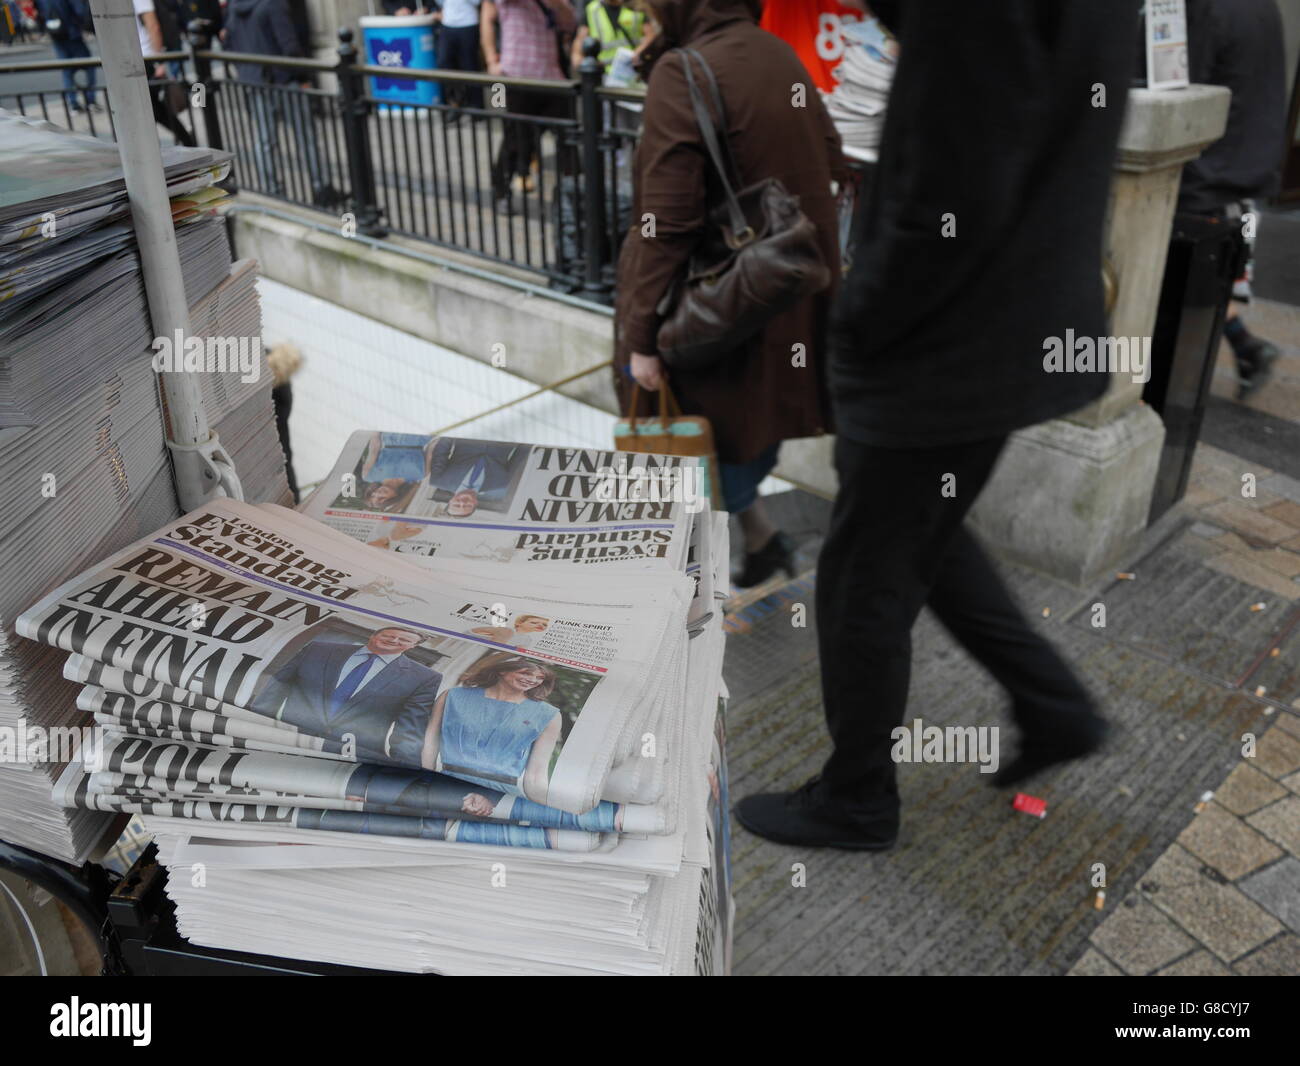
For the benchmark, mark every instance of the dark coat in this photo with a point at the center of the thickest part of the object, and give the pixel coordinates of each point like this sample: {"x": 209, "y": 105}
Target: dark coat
{"x": 940, "y": 339}
{"x": 759, "y": 396}
{"x": 1239, "y": 44}
{"x": 263, "y": 27}
{"x": 299, "y": 694}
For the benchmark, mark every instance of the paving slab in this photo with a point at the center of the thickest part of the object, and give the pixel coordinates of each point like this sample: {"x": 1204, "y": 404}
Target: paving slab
{"x": 1199, "y": 900}
{"x": 1197, "y": 964}
{"x": 1092, "y": 963}
{"x": 1247, "y": 790}
{"x": 1280, "y": 957}
{"x": 1277, "y": 890}
{"x": 1227, "y": 843}
{"x": 1280, "y": 822}
{"x": 1140, "y": 939}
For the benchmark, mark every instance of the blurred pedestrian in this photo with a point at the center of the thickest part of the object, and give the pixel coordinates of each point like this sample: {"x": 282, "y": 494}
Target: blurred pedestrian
{"x": 982, "y": 238}
{"x": 63, "y": 22}
{"x": 773, "y": 388}
{"x": 265, "y": 27}
{"x": 619, "y": 27}
{"x": 534, "y": 44}
{"x": 1239, "y": 44}
{"x": 13, "y": 22}
{"x": 150, "y": 30}
{"x": 458, "y": 49}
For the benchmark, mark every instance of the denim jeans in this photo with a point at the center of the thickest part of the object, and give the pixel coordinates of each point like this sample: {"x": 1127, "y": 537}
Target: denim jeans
{"x": 270, "y": 106}
{"x": 740, "y": 481}
{"x": 75, "y": 50}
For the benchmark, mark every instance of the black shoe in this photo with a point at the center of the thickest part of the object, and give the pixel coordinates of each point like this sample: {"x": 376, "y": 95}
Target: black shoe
{"x": 1255, "y": 366}
{"x": 1037, "y": 753}
{"x": 326, "y": 196}
{"x": 802, "y": 817}
{"x": 776, "y": 554}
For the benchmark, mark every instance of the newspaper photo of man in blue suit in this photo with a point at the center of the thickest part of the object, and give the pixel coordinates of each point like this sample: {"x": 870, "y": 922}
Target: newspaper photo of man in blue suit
{"x": 331, "y": 689}
{"x": 469, "y": 474}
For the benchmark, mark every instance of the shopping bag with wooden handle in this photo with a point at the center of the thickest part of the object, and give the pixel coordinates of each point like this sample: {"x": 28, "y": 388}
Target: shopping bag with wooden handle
{"x": 671, "y": 433}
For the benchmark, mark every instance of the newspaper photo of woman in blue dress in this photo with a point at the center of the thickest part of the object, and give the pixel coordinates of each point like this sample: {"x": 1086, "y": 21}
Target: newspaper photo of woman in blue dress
{"x": 496, "y": 729}
{"x": 389, "y": 473}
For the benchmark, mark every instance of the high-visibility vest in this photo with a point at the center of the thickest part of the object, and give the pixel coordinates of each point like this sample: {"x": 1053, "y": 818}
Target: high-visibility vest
{"x": 627, "y": 34}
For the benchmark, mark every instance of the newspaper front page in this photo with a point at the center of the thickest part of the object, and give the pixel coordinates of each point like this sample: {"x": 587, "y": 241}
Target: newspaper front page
{"x": 228, "y": 604}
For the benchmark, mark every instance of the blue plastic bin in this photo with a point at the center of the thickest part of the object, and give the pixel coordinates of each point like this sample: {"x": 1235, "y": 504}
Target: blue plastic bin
{"x": 401, "y": 41}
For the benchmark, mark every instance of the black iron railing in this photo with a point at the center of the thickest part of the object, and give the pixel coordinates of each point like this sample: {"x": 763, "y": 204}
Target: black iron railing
{"x": 532, "y": 174}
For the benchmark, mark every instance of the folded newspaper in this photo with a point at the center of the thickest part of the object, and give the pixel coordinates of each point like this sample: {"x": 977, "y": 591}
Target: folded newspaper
{"x": 439, "y": 499}
{"x": 244, "y": 605}
{"x": 452, "y": 497}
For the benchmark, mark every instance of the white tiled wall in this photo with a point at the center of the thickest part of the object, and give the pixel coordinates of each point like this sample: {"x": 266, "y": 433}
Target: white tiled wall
{"x": 358, "y": 373}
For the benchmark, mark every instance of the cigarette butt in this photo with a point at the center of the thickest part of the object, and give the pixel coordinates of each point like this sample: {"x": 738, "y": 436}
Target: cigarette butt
{"x": 1257, "y": 607}
{"x": 1100, "y": 901}
{"x": 1275, "y": 653}
{"x": 1047, "y": 612}
{"x": 1124, "y": 575}
{"x": 1205, "y": 798}
{"x": 1260, "y": 690}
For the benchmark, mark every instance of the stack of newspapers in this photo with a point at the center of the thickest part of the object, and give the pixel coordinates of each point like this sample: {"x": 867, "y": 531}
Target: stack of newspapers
{"x": 460, "y": 715}
{"x": 83, "y": 459}
{"x": 863, "y": 77}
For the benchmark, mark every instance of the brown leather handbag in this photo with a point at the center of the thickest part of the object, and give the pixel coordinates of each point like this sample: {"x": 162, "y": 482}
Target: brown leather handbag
{"x": 759, "y": 255}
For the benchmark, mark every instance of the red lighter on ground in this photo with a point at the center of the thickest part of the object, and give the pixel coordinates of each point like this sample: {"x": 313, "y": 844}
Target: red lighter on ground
{"x": 1030, "y": 805}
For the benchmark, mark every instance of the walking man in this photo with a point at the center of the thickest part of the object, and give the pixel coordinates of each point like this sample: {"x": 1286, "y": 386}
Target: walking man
{"x": 982, "y": 239}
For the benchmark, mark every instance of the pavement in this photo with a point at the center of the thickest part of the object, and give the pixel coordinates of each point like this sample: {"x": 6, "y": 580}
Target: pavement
{"x": 1133, "y": 869}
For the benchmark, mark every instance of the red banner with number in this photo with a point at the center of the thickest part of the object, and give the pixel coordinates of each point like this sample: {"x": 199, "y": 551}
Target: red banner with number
{"x": 813, "y": 29}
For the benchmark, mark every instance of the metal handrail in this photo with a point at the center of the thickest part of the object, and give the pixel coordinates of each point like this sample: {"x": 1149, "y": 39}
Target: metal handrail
{"x": 78, "y": 64}
{"x": 320, "y": 66}
{"x": 468, "y": 78}
{"x": 580, "y": 129}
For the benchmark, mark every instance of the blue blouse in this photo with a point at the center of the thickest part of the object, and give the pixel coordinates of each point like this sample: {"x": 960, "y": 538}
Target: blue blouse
{"x": 488, "y": 741}
{"x": 400, "y": 455}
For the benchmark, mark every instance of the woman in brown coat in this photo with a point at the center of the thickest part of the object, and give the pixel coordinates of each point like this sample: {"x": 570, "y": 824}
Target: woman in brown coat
{"x": 773, "y": 388}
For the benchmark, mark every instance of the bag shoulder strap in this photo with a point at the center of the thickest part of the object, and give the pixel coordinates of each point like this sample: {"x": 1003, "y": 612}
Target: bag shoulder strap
{"x": 741, "y": 232}
{"x": 716, "y": 95}
{"x": 547, "y": 14}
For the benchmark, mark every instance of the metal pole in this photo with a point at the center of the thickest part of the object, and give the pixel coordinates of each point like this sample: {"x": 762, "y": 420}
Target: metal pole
{"x": 593, "y": 170}
{"x": 356, "y": 136}
{"x": 196, "y": 456}
{"x": 198, "y": 37}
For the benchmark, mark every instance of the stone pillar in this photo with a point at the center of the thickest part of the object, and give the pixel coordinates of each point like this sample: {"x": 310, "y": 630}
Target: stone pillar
{"x": 1070, "y": 497}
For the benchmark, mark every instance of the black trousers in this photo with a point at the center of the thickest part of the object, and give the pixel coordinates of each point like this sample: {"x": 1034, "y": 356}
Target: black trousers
{"x": 166, "y": 117}
{"x": 458, "y": 49}
{"x": 897, "y": 543}
{"x": 522, "y": 140}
